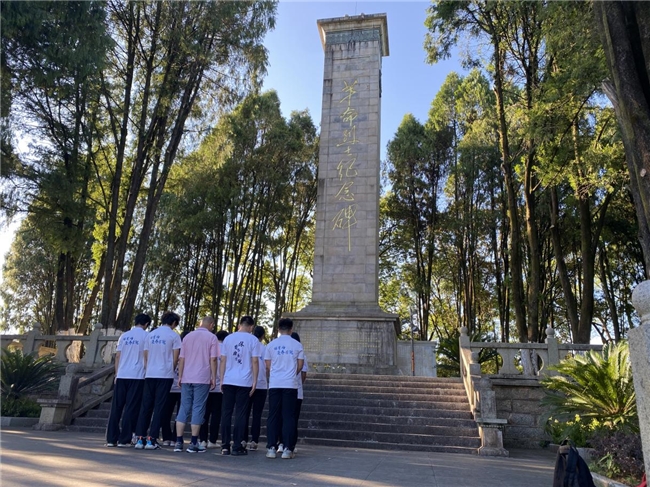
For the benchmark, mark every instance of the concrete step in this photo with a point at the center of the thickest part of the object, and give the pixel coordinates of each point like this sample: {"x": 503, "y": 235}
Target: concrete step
{"x": 397, "y": 396}
{"x": 383, "y": 387}
{"x": 370, "y": 419}
{"x": 391, "y": 379}
{"x": 357, "y": 404}
{"x": 375, "y": 445}
{"x": 380, "y": 426}
{"x": 379, "y": 437}
{"x": 309, "y": 407}
{"x": 357, "y": 388}
{"x": 91, "y": 422}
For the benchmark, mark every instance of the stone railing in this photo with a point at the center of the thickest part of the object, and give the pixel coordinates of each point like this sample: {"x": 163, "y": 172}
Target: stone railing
{"x": 89, "y": 373}
{"x": 510, "y": 397}
{"x": 550, "y": 353}
{"x": 98, "y": 347}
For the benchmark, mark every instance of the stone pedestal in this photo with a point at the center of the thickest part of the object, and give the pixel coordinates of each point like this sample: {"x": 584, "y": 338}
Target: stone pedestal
{"x": 348, "y": 344}
{"x": 54, "y": 414}
{"x": 343, "y": 329}
{"x": 639, "y": 340}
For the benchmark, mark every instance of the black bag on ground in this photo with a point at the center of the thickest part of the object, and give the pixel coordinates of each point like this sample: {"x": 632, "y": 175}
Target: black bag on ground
{"x": 570, "y": 468}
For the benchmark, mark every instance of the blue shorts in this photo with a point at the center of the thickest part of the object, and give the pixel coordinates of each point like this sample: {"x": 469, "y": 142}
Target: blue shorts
{"x": 193, "y": 400}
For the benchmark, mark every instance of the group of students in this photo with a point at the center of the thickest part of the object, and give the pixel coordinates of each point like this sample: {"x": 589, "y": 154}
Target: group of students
{"x": 209, "y": 377}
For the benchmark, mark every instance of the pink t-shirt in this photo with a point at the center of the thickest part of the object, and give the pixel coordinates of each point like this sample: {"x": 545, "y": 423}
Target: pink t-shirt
{"x": 198, "y": 348}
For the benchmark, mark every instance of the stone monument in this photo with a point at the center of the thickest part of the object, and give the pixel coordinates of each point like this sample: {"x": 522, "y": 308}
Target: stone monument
{"x": 639, "y": 340}
{"x": 343, "y": 329}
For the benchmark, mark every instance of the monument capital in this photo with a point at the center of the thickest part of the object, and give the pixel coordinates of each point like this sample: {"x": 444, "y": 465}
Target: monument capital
{"x": 363, "y": 27}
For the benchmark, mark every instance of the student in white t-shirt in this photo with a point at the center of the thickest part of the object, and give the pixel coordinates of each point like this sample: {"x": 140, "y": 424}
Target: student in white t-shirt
{"x": 239, "y": 367}
{"x": 161, "y": 350}
{"x": 300, "y": 380}
{"x": 129, "y": 382}
{"x": 256, "y": 404}
{"x": 284, "y": 359}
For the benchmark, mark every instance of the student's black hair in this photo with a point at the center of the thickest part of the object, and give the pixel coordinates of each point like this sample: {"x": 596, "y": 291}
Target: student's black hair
{"x": 295, "y": 336}
{"x": 221, "y": 335}
{"x": 259, "y": 332}
{"x": 285, "y": 324}
{"x": 142, "y": 319}
{"x": 247, "y": 320}
{"x": 169, "y": 317}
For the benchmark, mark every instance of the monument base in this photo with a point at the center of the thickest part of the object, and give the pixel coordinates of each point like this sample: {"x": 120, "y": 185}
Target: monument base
{"x": 348, "y": 341}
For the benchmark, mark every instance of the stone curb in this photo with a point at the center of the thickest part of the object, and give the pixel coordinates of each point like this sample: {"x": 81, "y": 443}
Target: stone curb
{"x": 601, "y": 481}
{"x": 7, "y": 421}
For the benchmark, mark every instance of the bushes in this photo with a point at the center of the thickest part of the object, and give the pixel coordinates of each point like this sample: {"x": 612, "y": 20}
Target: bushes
{"x": 24, "y": 407}
{"x": 595, "y": 387}
{"x": 22, "y": 376}
{"x": 593, "y": 403}
{"x": 620, "y": 455}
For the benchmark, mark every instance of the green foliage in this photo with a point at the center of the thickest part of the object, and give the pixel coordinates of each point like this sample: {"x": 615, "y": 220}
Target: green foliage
{"x": 235, "y": 226}
{"x": 578, "y": 430}
{"x": 594, "y": 386}
{"x": 448, "y": 361}
{"x": 23, "y": 375}
{"x": 23, "y": 407}
{"x": 29, "y": 276}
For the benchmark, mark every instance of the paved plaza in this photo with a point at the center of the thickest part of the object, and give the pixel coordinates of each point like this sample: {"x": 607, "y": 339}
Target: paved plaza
{"x": 36, "y": 458}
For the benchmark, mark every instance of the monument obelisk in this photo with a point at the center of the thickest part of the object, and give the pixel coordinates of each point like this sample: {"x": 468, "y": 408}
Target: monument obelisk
{"x": 343, "y": 327}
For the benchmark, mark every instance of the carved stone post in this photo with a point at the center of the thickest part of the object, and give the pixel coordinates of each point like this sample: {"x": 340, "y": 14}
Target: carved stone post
{"x": 553, "y": 351}
{"x": 32, "y": 340}
{"x": 93, "y": 347}
{"x": 57, "y": 413}
{"x": 639, "y": 340}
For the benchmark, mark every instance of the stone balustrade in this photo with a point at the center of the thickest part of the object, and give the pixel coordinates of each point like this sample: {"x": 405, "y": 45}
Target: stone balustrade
{"x": 89, "y": 374}
{"x": 512, "y": 396}
{"x": 96, "y": 349}
{"x": 550, "y": 353}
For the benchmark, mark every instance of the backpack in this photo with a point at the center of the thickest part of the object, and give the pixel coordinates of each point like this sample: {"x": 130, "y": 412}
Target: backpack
{"x": 570, "y": 468}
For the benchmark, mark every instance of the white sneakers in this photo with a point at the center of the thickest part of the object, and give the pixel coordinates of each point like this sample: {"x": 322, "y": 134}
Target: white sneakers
{"x": 203, "y": 445}
{"x": 287, "y": 454}
{"x": 280, "y": 448}
{"x": 271, "y": 453}
{"x": 213, "y": 445}
{"x": 252, "y": 446}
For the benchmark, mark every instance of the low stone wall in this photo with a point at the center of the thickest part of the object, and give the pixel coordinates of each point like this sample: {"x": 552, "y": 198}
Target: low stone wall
{"x": 425, "y": 358}
{"x": 518, "y": 401}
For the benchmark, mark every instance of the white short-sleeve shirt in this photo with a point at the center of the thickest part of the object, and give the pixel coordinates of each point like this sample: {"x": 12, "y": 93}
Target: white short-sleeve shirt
{"x": 284, "y": 353}
{"x": 160, "y": 345}
{"x": 239, "y": 349}
{"x": 131, "y": 348}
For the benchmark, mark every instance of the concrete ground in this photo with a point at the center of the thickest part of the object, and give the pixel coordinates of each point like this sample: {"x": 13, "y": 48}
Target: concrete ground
{"x": 65, "y": 459}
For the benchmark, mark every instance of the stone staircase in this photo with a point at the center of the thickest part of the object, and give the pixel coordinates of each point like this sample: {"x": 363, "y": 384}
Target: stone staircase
{"x": 370, "y": 411}
{"x": 388, "y": 413}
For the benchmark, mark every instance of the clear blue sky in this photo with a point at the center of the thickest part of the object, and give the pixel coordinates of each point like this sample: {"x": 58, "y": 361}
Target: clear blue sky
{"x": 296, "y": 60}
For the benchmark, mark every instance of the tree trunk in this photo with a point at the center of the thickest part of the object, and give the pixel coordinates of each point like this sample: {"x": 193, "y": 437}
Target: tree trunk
{"x": 565, "y": 281}
{"x": 625, "y": 32}
{"x": 516, "y": 263}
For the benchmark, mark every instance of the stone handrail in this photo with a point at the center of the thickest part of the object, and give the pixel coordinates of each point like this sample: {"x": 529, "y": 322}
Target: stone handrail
{"x": 550, "y": 352}
{"x": 94, "y": 344}
{"x": 479, "y": 387}
{"x": 482, "y": 400}
{"x": 88, "y": 379}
